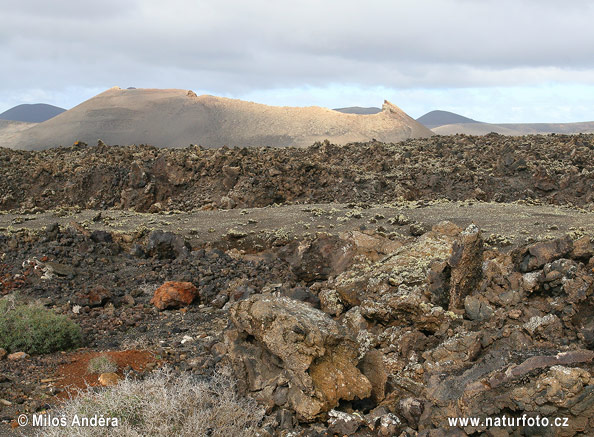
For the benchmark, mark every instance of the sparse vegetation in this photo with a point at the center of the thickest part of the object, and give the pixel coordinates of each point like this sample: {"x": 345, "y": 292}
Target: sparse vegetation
{"x": 35, "y": 329}
{"x": 165, "y": 404}
{"x": 102, "y": 364}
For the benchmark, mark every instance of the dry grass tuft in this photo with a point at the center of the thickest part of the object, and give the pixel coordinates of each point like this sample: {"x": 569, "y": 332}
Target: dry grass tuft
{"x": 165, "y": 405}
{"x": 102, "y": 364}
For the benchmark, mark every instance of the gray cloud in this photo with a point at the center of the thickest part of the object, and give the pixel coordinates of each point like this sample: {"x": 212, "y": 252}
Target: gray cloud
{"x": 236, "y": 47}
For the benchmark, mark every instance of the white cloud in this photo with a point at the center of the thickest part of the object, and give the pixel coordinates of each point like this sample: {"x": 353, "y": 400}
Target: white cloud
{"x": 434, "y": 49}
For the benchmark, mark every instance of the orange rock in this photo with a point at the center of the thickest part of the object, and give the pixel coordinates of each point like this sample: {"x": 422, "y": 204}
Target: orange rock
{"x": 174, "y": 295}
{"x": 108, "y": 379}
{"x": 18, "y": 356}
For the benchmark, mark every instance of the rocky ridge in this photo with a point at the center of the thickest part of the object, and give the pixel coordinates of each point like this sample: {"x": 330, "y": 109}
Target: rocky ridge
{"x": 552, "y": 169}
{"x": 390, "y": 326}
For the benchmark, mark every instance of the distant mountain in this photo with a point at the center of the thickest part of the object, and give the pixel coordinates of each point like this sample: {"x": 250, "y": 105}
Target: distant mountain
{"x": 31, "y": 113}
{"x": 359, "y": 110}
{"x": 515, "y": 129}
{"x": 439, "y": 118}
{"x": 475, "y": 128}
{"x": 170, "y": 118}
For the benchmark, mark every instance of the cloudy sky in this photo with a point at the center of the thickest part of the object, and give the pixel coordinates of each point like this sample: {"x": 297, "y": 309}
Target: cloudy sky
{"x": 495, "y": 61}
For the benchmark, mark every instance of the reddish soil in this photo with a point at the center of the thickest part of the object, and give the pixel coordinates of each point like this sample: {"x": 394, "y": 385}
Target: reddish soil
{"x": 74, "y": 376}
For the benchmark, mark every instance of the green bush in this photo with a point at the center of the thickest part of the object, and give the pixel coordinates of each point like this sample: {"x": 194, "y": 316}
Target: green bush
{"x": 35, "y": 329}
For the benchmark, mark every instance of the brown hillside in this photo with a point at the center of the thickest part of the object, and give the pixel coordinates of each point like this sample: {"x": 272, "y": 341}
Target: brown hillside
{"x": 170, "y": 118}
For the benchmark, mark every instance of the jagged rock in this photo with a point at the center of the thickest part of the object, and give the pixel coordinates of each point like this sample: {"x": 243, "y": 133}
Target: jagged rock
{"x": 477, "y": 308}
{"x": 583, "y": 248}
{"x": 408, "y": 307}
{"x": 537, "y": 255}
{"x": 231, "y": 175}
{"x": 438, "y": 278}
{"x": 466, "y": 265}
{"x": 319, "y": 258}
{"x": 343, "y": 424}
{"x": 330, "y": 302}
{"x": 166, "y": 245}
{"x": 492, "y": 385}
{"x": 276, "y": 339}
{"x": 372, "y": 285}
{"x": 548, "y": 327}
{"x": 411, "y": 409}
{"x": 286, "y": 419}
{"x": 531, "y": 281}
{"x": 120, "y": 175}
{"x": 174, "y": 295}
{"x": 370, "y": 245}
{"x": 373, "y": 367}
{"x": 389, "y": 425}
{"x": 417, "y": 229}
{"x": 303, "y": 294}
{"x": 453, "y": 353}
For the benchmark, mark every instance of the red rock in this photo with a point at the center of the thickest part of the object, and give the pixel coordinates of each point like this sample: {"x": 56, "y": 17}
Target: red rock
{"x": 174, "y": 295}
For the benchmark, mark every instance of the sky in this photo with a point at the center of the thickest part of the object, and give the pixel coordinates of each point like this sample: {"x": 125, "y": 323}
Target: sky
{"x": 495, "y": 61}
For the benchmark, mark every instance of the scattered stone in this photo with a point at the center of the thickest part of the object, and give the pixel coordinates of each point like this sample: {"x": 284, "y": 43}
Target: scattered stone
{"x": 97, "y": 296}
{"x": 417, "y": 229}
{"x": 236, "y": 234}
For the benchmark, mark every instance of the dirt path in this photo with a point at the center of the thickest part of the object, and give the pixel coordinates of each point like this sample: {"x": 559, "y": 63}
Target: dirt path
{"x": 516, "y": 222}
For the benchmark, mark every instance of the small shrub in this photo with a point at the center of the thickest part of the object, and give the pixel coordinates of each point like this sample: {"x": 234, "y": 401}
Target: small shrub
{"x": 35, "y": 329}
{"x": 164, "y": 405}
{"x": 102, "y": 364}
